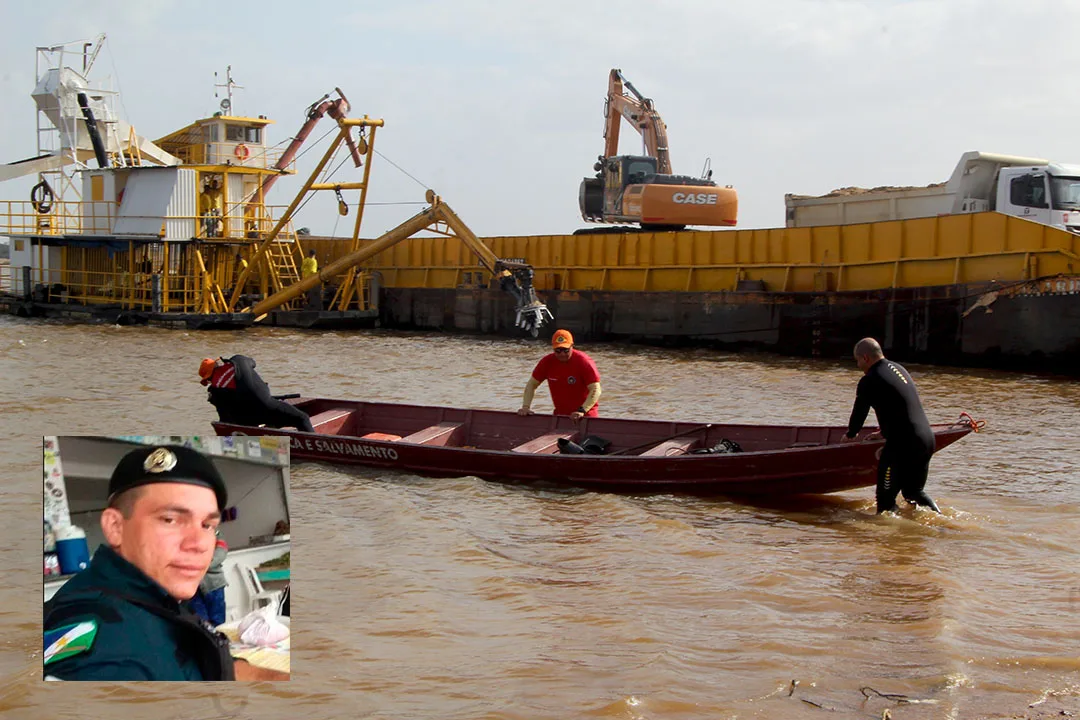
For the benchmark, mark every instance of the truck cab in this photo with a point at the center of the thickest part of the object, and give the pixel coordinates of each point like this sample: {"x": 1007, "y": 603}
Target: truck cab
{"x": 1047, "y": 194}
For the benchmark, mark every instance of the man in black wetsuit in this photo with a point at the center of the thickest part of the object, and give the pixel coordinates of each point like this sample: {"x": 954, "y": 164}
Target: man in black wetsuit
{"x": 243, "y": 398}
{"x": 909, "y": 442}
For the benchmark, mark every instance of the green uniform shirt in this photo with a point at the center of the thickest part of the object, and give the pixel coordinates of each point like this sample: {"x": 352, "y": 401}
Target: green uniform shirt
{"x": 124, "y": 626}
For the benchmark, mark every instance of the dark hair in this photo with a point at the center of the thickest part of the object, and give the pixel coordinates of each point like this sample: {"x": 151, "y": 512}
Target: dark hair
{"x": 125, "y": 501}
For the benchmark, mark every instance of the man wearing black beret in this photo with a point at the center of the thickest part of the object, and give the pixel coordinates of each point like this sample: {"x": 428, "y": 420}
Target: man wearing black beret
{"x": 125, "y": 616}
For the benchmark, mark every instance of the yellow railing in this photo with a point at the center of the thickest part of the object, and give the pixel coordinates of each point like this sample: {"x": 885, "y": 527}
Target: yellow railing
{"x": 193, "y": 276}
{"x": 176, "y": 293}
{"x": 361, "y": 296}
{"x": 225, "y": 153}
{"x": 20, "y": 218}
{"x": 99, "y": 218}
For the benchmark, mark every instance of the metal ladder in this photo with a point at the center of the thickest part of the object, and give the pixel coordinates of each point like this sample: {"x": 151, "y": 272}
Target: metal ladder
{"x": 282, "y": 264}
{"x": 283, "y": 271}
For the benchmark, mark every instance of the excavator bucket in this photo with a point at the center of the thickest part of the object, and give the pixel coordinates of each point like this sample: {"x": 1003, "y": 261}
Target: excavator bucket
{"x": 516, "y": 279}
{"x": 532, "y": 317}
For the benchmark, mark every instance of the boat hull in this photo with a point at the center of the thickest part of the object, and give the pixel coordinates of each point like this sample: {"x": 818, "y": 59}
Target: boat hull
{"x": 792, "y": 460}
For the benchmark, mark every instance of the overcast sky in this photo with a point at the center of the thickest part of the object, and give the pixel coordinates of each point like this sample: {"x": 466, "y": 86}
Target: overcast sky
{"x": 497, "y": 104}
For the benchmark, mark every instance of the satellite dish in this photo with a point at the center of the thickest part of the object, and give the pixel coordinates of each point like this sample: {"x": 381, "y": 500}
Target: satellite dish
{"x": 225, "y": 105}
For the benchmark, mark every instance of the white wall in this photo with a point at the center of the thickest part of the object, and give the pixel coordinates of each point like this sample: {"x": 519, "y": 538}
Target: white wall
{"x": 32, "y": 256}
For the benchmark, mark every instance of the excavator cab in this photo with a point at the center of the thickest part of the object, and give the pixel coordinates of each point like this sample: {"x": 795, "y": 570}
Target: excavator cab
{"x": 637, "y": 170}
{"x": 602, "y": 195}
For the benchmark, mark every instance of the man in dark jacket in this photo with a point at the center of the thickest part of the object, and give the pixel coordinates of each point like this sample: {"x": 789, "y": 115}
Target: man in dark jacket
{"x": 243, "y": 398}
{"x": 909, "y": 441}
{"x": 125, "y": 617}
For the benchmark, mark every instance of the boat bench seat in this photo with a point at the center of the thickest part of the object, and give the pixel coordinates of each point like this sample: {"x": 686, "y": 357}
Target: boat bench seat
{"x": 330, "y": 422}
{"x": 670, "y": 447}
{"x": 442, "y": 434}
{"x": 543, "y": 445}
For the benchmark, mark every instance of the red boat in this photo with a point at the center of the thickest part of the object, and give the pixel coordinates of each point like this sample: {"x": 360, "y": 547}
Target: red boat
{"x": 643, "y": 455}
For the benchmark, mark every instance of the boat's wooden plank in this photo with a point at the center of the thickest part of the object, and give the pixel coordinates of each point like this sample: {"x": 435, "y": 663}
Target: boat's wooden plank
{"x": 440, "y": 434}
{"x": 543, "y": 445}
{"x": 678, "y": 446}
{"x": 330, "y": 422}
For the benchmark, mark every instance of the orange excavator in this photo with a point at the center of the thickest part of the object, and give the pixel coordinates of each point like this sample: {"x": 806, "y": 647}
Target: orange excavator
{"x": 641, "y": 188}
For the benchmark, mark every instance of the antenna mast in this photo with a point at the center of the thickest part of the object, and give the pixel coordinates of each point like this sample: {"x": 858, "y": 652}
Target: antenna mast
{"x": 226, "y": 103}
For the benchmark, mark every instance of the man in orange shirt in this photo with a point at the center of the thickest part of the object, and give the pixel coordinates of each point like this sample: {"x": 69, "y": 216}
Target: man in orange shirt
{"x": 572, "y": 378}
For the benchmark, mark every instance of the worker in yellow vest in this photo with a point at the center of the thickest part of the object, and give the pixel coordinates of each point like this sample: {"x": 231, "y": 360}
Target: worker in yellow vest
{"x": 310, "y": 267}
{"x": 211, "y": 203}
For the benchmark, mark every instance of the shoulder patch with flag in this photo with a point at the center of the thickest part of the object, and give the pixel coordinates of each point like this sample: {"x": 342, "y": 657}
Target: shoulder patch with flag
{"x": 69, "y": 640}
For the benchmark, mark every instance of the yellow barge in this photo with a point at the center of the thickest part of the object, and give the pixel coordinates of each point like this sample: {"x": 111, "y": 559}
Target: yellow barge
{"x": 983, "y": 289}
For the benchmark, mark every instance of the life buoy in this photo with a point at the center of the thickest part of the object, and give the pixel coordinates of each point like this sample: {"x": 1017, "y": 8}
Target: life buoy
{"x": 41, "y": 197}
{"x": 242, "y": 152}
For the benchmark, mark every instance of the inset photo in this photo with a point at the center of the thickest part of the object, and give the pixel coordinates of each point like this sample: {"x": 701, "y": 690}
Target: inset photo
{"x": 166, "y": 558}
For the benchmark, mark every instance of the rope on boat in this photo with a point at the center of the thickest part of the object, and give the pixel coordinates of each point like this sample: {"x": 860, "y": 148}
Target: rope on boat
{"x": 966, "y": 419}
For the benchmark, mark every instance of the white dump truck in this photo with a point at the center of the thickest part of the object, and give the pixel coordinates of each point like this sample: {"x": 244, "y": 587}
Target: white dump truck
{"x": 1031, "y": 188}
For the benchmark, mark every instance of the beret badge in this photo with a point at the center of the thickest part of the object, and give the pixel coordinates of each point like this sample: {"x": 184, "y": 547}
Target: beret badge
{"x": 159, "y": 461}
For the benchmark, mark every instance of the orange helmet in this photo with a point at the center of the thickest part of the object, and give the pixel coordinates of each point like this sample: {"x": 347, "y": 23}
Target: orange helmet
{"x": 206, "y": 368}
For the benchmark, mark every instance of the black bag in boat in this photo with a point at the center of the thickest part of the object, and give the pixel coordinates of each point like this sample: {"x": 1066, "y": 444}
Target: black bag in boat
{"x": 723, "y": 447}
{"x": 591, "y": 445}
{"x": 569, "y": 447}
{"x": 594, "y": 445}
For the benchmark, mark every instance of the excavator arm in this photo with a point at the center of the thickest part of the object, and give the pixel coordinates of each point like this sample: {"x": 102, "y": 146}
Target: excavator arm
{"x": 513, "y": 277}
{"x": 640, "y": 112}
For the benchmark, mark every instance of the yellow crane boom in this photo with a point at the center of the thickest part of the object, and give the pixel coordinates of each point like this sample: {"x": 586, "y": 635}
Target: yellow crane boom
{"x": 514, "y": 277}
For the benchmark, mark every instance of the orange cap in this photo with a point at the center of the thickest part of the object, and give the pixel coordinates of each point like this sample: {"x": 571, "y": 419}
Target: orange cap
{"x": 561, "y": 339}
{"x": 206, "y": 368}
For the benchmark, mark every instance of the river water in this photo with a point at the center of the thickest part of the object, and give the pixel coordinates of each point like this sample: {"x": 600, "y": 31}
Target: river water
{"x": 418, "y": 598}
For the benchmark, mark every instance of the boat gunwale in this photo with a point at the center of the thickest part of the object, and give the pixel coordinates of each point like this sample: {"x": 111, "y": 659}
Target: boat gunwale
{"x": 941, "y": 430}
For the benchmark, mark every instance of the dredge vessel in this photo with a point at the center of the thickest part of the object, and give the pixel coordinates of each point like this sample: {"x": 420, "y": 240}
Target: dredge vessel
{"x": 177, "y": 231}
